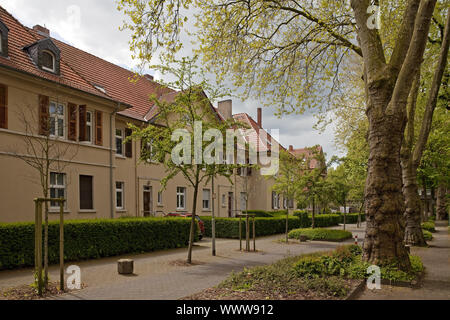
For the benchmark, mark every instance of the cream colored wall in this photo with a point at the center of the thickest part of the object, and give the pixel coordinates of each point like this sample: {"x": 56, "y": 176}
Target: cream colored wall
{"x": 19, "y": 183}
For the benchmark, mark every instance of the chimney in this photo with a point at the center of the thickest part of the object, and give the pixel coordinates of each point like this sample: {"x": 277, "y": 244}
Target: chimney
{"x": 291, "y": 148}
{"x": 226, "y": 109}
{"x": 43, "y": 31}
{"x": 260, "y": 117}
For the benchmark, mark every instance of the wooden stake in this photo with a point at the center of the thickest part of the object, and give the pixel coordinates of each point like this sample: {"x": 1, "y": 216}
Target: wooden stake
{"x": 61, "y": 244}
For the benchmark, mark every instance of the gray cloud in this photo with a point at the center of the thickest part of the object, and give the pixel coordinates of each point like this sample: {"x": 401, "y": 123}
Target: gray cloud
{"x": 96, "y": 30}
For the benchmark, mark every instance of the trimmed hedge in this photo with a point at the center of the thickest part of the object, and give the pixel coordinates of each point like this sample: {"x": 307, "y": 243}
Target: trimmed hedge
{"x": 259, "y": 213}
{"x": 229, "y": 227}
{"x": 429, "y": 226}
{"x": 321, "y": 234}
{"x": 91, "y": 239}
{"x": 352, "y": 218}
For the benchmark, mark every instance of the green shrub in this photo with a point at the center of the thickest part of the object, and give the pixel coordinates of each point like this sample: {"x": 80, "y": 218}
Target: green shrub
{"x": 352, "y": 218}
{"x": 427, "y": 235}
{"x": 277, "y": 213}
{"x": 259, "y": 213}
{"x": 91, "y": 239}
{"x": 321, "y": 234}
{"x": 429, "y": 226}
{"x": 229, "y": 227}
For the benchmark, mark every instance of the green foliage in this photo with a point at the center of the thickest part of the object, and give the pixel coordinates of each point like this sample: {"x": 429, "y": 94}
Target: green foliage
{"x": 229, "y": 227}
{"x": 321, "y": 234}
{"x": 428, "y": 236}
{"x": 92, "y": 239}
{"x": 429, "y": 226}
{"x": 259, "y": 213}
{"x": 352, "y": 218}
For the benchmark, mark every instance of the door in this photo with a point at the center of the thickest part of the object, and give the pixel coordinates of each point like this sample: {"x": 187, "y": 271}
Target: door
{"x": 148, "y": 203}
{"x": 230, "y": 204}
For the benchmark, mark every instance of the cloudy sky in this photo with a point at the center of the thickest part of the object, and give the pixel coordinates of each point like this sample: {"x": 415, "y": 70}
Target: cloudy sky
{"x": 93, "y": 26}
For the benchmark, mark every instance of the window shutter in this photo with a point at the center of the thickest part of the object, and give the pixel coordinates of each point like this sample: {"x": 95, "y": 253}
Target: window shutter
{"x": 72, "y": 121}
{"x": 98, "y": 128}
{"x": 3, "y": 106}
{"x": 273, "y": 202}
{"x": 44, "y": 102}
{"x": 82, "y": 118}
{"x": 128, "y": 144}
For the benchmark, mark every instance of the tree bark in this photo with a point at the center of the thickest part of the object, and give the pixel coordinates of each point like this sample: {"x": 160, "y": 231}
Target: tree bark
{"x": 387, "y": 89}
{"x": 194, "y": 210}
{"x": 413, "y": 230}
{"x": 441, "y": 210}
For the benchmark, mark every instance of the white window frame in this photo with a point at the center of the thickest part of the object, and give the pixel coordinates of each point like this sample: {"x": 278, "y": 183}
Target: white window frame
{"x": 121, "y": 139}
{"x": 275, "y": 200}
{"x": 53, "y": 60}
{"x": 160, "y": 198}
{"x": 54, "y": 206}
{"x": 208, "y": 200}
{"x": 121, "y": 190}
{"x": 90, "y": 125}
{"x": 224, "y": 200}
{"x": 57, "y": 117}
{"x": 181, "y": 194}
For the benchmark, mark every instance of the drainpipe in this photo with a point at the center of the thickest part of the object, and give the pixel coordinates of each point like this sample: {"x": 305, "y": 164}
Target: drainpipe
{"x": 111, "y": 156}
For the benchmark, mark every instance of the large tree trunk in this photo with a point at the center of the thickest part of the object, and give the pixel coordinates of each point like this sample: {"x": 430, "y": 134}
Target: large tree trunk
{"x": 413, "y": 230}
{"x": 387, "y": 90}
{"x": 383, "y": 242}
{"x": 441, "y": 210}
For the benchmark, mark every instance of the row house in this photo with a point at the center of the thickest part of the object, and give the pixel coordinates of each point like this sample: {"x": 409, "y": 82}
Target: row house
{"x": 77, "y": 106}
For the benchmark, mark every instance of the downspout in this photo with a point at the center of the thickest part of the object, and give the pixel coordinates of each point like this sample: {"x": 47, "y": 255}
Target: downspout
{"x": 111, "y": 156}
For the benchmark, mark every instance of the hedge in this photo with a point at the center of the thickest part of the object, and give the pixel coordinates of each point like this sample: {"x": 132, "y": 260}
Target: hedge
{"x": 229, "y": 227}
{"x": 321, "y": 234}
{"x": 352, "y": 218}
{"x": 429, "y": 226}
{"x": 91, "y": 239}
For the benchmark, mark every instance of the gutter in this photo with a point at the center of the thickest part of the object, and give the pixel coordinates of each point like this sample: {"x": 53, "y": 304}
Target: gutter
{"x": 111, "y": 156}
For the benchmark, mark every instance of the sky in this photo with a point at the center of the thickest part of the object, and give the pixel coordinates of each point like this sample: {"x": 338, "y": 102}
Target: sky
{"x": 94, "y": 26}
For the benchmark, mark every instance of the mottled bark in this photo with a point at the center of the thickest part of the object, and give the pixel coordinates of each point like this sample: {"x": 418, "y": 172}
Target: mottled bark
{"x": 441, "y": 210}
{"x": 387, "y": 88}
{"x": 413, "y": 230}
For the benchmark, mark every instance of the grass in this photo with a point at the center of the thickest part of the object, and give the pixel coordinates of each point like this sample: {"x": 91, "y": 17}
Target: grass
{"x": 324, "y": 275}
{"x": 321, "y": 234}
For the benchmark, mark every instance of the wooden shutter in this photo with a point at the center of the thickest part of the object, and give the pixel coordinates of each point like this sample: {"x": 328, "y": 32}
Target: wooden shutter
{"x": 82, "y": 118}
{"x": 44, "y": 102}
{"x": 72, "y": 121}
{"x": 98, "y": 128}
{"x": 3, "y": 106}
{"x": 128, "y": 144}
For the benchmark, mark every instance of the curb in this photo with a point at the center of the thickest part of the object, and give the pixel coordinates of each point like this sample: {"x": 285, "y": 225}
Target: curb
{"x": 357, "y": 291}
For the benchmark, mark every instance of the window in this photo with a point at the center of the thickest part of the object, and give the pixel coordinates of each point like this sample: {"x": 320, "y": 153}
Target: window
{"x": 206, "y": 199}
{"x": 160, "y": 198}
{"x": 89, "y": 126}
{"x": 120, "y": 196}
{"x": 224, "y": 200}
{"x": 48, "y": 61}
{"x": 86, "y": 193}
{"x": 243, "y": 201}
{"x": 119, "y": 141}
{"x": 181, "y": 198}
{"x": 57, "y": 119}
{"x": 57, "y": 188}
{"x": 275, "y": 200}
{"x": 3, "y": 39}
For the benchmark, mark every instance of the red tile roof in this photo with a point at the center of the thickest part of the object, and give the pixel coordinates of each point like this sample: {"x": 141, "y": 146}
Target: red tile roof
{"x": 308, "y": 154}
{"x": 255, "y": 138}
{"x": 83, "y": 71}
{"x": 19, "y": 37}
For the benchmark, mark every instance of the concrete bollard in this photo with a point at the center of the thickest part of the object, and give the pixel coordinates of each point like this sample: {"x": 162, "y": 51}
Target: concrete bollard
{"x": 303, "y": 238}
{"x": 125, "y": 266}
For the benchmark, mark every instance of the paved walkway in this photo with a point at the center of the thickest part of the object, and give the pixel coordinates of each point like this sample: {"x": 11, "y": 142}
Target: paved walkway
{"x": 159, "y": 276}
{"x": 436, "y": 285}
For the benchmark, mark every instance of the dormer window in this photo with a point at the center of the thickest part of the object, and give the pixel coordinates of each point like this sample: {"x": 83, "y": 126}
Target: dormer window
{"x": 3, "y": 39}
{"x": 48, "y": 61}
{"x": 46, "y": 55}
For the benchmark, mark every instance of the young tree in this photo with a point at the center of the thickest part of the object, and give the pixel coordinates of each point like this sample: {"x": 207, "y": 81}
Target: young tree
{"x": 341, "y": 186}
{"x": 290, "y": 53}
{"x": 285, "y": 181}
{"x": 185, "y": 114}
{"x": 42, "y": 148}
